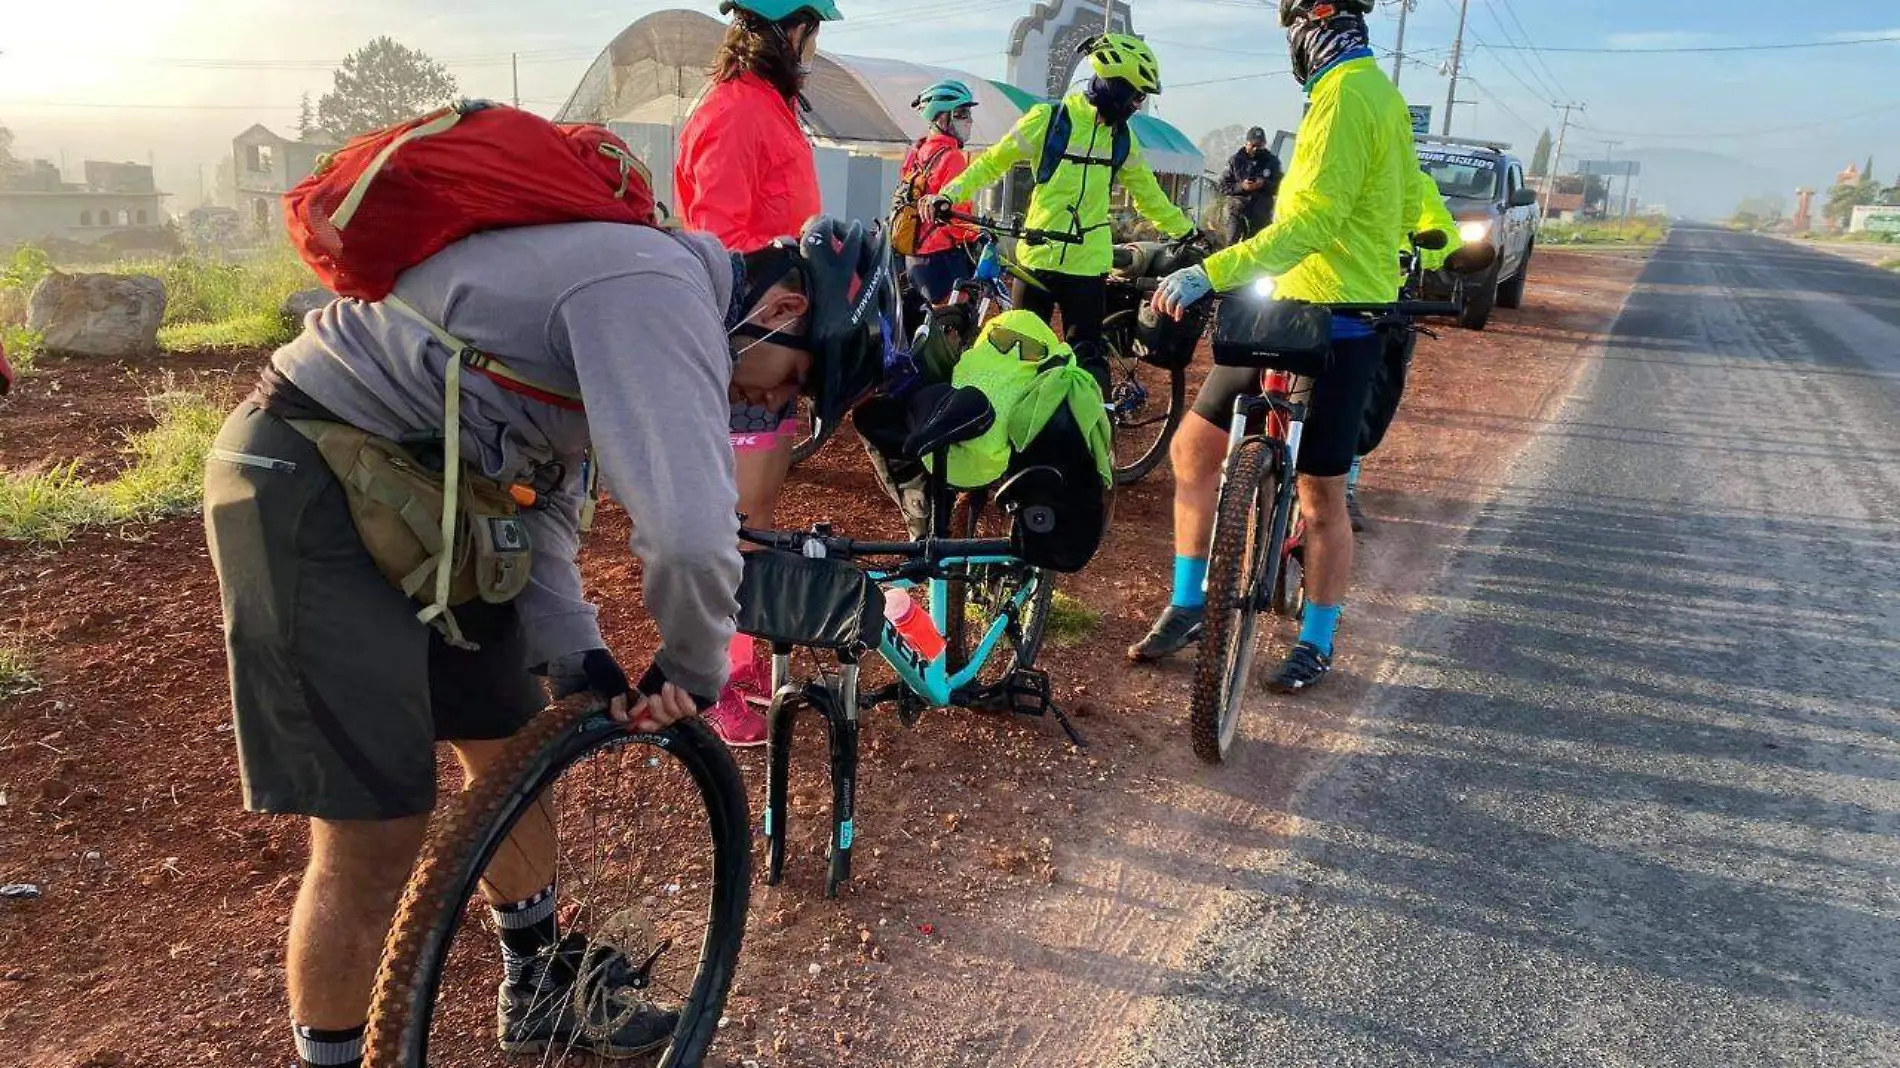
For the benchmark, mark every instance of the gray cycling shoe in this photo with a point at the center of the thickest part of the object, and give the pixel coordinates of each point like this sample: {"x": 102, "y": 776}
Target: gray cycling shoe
{"x": 1177, "y": 629}
{"x": 578, "y": 996}
{"x": 1352, "y": 510}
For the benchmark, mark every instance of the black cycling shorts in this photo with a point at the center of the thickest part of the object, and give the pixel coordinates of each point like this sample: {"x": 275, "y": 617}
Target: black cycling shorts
{"x": 1336, "y": 404}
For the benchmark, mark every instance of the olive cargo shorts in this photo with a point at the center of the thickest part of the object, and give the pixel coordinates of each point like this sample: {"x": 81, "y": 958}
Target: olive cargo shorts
{"x": 340, "y": 694}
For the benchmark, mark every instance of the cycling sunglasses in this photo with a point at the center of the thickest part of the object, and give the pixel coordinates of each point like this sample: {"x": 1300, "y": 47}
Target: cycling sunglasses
{"x": 1027, "y": 349}
{"x": 964, "y": 112}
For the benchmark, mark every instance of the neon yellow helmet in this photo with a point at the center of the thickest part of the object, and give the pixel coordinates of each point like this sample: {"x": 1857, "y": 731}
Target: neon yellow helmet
{"x": 1117, "y": 55}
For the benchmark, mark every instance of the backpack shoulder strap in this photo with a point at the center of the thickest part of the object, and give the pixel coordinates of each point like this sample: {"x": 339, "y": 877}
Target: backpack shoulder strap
{"x": 1124, "y": 146}
{"x": 1055, "y": 142}
{"x": 489, "y": 365}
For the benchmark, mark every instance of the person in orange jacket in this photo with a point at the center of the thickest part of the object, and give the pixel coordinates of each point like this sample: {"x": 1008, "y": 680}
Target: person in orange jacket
{"x": 946, "y": 254}
{"x": 746, "y": 174}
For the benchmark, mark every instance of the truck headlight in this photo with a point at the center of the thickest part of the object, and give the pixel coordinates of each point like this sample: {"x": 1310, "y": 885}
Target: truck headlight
{"x": 1473, "y": 232}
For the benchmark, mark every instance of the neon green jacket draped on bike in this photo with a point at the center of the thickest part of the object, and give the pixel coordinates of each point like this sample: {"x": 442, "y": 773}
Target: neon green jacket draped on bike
{"x": 1347, "y": 202}
{"x": 1076, "y": 198}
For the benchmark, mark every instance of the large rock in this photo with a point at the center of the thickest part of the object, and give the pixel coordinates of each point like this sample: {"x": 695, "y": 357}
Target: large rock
{"x": 111, "y": 315}
{"x": 298, "y": 306}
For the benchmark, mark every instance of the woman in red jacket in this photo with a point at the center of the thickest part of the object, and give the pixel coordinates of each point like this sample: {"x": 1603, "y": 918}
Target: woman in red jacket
{"x": 746, "y": 175}
{"x": 946, "y": 254}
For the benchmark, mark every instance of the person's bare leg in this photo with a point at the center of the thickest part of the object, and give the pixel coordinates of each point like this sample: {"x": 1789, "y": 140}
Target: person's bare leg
{"x": 762, "y": 474}
{"x": 524, "y": 865}
{"x": 1197, "y": 453}
{"x": 356, "y": 872}
{"x": 1329, "y": 541}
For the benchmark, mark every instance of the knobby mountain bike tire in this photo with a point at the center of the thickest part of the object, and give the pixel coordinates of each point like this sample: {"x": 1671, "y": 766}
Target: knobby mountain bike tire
{"x": 572, "y": 743}
{"x": 1244, "y": 551}
{"x": 977, "y": 593}
{"x": 1143, "y": 435}
{"x": 813, "y": 433}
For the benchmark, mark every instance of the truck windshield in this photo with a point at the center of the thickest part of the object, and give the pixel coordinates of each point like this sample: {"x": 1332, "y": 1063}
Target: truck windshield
{"x": 1471, "y": 177}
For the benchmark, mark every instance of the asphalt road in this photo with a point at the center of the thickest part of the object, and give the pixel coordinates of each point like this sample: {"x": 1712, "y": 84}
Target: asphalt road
{"x": 1631, "y": 794}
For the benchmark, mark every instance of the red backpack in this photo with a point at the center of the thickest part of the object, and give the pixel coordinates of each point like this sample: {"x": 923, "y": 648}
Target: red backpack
{"x": 390, "y": 199}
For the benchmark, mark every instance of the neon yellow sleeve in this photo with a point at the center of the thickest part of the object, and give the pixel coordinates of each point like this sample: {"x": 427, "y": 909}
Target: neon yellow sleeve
{"x": 1321, "y": 189}
{"x": 1150, "y": 199}
{"x": 1432, "y": 214}
{"x": 1015, "y": 147}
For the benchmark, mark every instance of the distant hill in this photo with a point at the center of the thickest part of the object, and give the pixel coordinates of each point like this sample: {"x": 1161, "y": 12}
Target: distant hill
{"x": 1708, "y": 185}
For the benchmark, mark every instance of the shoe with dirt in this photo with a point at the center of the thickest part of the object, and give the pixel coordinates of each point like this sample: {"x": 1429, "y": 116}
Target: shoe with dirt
{"x": 578, "y": 996}
{"x": 735, "y": 721}
{"x": 1177, "y": 629}
{"x": 1353, "y": 513}
{"x": 1305, "y": 668}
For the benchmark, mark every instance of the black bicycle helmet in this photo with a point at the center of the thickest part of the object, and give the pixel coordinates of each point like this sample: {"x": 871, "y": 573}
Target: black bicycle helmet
{"x": 1292, "y": 11}
{"x": 847, "y": 272}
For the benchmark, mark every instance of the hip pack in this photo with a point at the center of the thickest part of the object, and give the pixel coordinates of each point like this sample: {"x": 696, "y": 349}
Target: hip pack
{"x": 398, "y": 505}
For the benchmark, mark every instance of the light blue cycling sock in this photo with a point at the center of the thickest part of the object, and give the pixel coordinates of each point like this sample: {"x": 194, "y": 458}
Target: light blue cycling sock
{"x": 1352, "y": 476}
{"x": 1317, "y": 625}
{"x": 1190, "y": 582}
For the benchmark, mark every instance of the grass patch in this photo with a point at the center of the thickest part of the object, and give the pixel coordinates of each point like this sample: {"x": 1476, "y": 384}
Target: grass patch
{"x": 1629, "y": 232}
{"x": 164, "y": 478}
{"x": 213, "y": 304}
{"x": 1070, "y": 621}
{"x": 22, "y": 346}
{"x": 259, "y": 331}
{"x": 1891, "y": 265}
{"x": 16, "y": 671}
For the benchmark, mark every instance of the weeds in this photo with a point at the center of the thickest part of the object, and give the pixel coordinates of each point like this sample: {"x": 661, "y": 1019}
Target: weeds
{"x": 1627, "y": 232}
{"x": 16, "y": 671}
{"x": 164, "y": 478}
{"x": 213, "y": 304}
{"x": 20, "y": 345}
{"x": 1070, "y": 621}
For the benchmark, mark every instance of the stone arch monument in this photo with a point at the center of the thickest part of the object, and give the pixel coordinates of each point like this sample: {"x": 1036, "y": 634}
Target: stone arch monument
{"x": 1042, "y": 47}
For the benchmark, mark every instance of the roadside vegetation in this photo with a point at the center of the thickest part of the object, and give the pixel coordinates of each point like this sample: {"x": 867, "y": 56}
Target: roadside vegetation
{"x": 1071, "y": 621}
{"x": 213, "y": 302}
{"x": 1625, "y": 232}
{"x": 16, "y": 670}
{"x": 164, "y": 476}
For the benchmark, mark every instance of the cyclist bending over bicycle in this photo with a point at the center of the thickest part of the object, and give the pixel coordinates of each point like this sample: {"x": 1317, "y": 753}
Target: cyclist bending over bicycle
{"x": 1081, "y": 146}
{"x": 627, "y": 340}
{"x": 1344, "y": 209}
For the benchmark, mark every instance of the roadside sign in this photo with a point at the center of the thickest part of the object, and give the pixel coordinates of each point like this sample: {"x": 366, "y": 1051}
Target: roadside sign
{"x": 1421, "y": 118}
{"x": 1886, "y": 222}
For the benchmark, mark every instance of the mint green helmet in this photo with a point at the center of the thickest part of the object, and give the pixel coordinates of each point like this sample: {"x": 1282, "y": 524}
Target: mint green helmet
{"x": 943, "y": 98}
{"x": 780, "y": 10}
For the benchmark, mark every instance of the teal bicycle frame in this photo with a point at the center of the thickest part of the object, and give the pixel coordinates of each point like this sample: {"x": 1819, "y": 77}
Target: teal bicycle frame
{"x": 931, "y": 679}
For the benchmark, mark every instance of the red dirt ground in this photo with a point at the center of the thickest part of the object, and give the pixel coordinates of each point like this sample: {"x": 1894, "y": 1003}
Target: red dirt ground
{"x": 1016, "y": 900}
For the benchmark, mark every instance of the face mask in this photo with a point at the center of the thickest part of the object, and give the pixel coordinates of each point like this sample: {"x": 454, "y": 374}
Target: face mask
{"x": 1315, "y": 43}
{"x": 1114, "y": 99}
{"x": 759, "y": 335}
{"x": 960, "y": 129}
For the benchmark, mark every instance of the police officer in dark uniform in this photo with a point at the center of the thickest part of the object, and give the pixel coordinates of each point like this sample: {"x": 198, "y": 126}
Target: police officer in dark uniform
{"x": 1250, "y": 184}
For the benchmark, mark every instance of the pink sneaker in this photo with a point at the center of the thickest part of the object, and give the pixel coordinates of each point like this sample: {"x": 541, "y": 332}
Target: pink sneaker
{"x": 753, "y": 682}
{"x": 736, "y": 723}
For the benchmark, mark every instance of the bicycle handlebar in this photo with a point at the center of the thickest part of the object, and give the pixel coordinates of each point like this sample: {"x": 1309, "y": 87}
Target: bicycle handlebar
{"x": 930, "y": 550}
{"x": 1021, "y": 233}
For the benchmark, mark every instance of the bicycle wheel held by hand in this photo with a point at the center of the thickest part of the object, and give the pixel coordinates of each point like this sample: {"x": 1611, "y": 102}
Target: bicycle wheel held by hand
{"x": 1243, "y": 553}
{"x": 653, "y": 864}
{"x": 1145, "y": 403}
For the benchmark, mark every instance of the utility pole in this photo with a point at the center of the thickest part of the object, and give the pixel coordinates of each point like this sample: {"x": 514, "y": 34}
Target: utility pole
{"x": 1108, "y": 16}
{"x": 1457, "y": 59}
{"x": 514, "y": 64}
{"x": 1555, "y": 167}
{"x": 1398, "y": 53}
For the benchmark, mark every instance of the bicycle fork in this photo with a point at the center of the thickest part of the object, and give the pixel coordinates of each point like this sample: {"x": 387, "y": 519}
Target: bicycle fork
{"x": 837, "y": 703}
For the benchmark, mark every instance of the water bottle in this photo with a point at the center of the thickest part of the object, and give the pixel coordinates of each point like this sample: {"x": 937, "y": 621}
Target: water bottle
{"x": 913, "y": 623}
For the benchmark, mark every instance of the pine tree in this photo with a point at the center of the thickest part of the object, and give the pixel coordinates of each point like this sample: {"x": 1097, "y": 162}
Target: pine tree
{"x": 1867, "y": 173}
{"x": 1540, "y": 159}
{"x": 306, "y": 119}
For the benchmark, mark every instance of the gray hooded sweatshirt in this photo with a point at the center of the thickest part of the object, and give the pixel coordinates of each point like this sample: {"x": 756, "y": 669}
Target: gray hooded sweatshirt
{"x": 634, "y": 320}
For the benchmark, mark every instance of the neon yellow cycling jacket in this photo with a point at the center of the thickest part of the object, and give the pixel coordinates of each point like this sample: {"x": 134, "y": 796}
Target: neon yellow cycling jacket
{"x": 1347, "y": 200}
{"x": 1076, "y": 198}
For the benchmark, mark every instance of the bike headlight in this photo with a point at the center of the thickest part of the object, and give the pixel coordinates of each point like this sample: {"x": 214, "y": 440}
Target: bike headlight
{"x": 1263, "y": 289}
{"x": 1473, "y": 232}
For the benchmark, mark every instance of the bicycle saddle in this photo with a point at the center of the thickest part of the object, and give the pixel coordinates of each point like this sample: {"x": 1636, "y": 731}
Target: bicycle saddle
{"x": 942, "y": 416}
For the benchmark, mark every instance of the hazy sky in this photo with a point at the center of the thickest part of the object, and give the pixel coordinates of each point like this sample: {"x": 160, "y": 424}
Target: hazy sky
{"x": 176, "y": 79}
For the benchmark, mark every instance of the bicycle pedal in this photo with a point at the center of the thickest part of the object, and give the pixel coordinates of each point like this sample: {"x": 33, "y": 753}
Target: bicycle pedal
{"x": 1029, "y": 692}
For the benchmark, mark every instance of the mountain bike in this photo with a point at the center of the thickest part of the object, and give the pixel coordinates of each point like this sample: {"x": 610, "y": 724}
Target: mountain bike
{"x": 1256, "y": 557}
{"x": 816, "y": 590}
{"x": 653, "y": 867}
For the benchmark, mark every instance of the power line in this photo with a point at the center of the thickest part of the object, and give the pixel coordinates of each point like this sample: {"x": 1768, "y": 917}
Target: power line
{"x": 1536, "y": 53}
{"x": 1693, "y": 49}
{"x": 1758, "y": 132}
{"x": 1548, "y": 92}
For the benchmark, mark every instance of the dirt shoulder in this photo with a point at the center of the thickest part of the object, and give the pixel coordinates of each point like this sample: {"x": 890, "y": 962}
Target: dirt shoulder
{"x": 1016, "y": 902}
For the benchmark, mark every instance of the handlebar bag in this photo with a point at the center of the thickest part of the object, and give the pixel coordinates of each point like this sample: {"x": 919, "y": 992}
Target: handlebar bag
{"x": 1279, "y": 335}
{"x": 1162, "y": 342}
{"x": 822, "y": 603}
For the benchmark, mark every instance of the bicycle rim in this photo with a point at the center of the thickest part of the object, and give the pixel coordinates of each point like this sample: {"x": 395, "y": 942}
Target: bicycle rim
{"x": 1241, "y": 541}
{"x": 653, "y": 861}
{"x": 813, "y": 432}
{"x": 1146, "y": 404}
